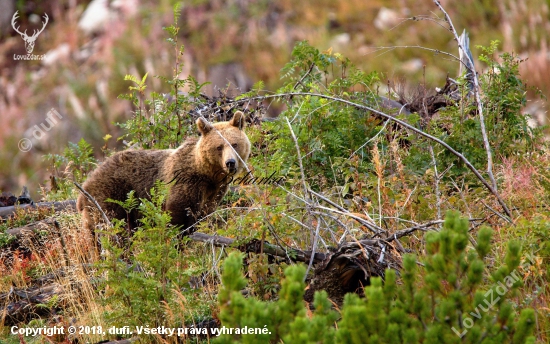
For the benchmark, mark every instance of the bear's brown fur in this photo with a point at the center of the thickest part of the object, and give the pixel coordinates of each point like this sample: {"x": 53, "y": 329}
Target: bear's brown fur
{"x": 196, "y": 170}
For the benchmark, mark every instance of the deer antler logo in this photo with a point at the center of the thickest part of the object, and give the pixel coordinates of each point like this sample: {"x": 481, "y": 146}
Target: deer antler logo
{"x": 29, "y": 40}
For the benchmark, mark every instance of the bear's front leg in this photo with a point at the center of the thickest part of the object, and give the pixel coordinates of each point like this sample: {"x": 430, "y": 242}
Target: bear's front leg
{"x": 184, "y": 210}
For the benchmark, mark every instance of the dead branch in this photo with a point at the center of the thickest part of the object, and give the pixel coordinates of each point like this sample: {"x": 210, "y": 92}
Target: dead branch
{"x": 94, "y": 202}
{"x": 465, "y": 53}
{"x": 435, "y": 51}
{"x": 401, "y": 123}
{"x": 436, "y": 184}
{"x": 21, "y": 305}
{"x": 254, "y": 246}
{"x": 31, "y": 228}
{"x": 344, "y": 269}
{"x": 302, "y": 173}
{"x": 6, "y": 212}
{"x": 44, "y": 298}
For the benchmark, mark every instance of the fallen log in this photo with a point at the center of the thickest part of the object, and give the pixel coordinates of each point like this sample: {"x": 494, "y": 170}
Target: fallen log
{"x": 344, "y": 269}
{"x": 28, "y": 238}
{"x": 250, "y": 245}
{"x": 22, "y": 305}
{"x": 6, "y": 212}
{"x": 44, "y": 298}
{"x": 31, "y": 228}
{"x": 351, "y": 267}
{"x": 258, "y": 246}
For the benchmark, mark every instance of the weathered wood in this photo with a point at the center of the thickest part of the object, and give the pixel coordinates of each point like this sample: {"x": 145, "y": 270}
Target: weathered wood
{"x": 345, "y": 269}
{"x": 254, "y": 246}
{"x": 31, "y": 228}
{"x": 6, "y": 212}
{"x": 257, "y": 246}
{"x": 22, "y": 305}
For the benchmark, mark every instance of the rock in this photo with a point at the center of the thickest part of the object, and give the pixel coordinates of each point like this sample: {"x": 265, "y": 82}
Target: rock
{"x": 59, "y": 53}
{"x": 101, "y": 13}
{"x": 412, "y": 65}
{"x": 341, "y": 40}
{"x": 232, "y": 74}
{"x": 386, "y": 19}
{"x": 537, "y": 112}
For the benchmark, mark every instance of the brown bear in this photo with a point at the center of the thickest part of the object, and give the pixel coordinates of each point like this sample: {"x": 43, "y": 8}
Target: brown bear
{"x": 198, "y": 172}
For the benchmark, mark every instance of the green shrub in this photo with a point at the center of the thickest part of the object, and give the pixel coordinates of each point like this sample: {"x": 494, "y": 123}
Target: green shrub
{"x": 326, "y": 130}
{"x": 504, "y": 94}
{"x": 74, "y": 165}
{"x": 450, "y": 300}
{"x": 146, "y": 276}
{"x": 163, "y": 120}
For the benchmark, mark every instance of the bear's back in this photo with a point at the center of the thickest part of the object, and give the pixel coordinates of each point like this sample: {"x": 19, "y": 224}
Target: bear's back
{"x": 126, "y": 171}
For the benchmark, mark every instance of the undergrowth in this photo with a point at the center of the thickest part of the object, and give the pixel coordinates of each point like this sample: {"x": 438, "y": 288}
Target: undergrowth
{"x": 367, "y": 168}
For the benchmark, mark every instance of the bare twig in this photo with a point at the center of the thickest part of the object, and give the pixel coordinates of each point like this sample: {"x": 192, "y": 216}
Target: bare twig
{"x": 436, "y": 182}
{"x": 407, "y": 231}
{"x": 460, "y": 192}
{"x": 406, "y": 201}
{"x": 299, "y": 82}
{"x": 304, "y": 185}
{"x": 369, "y": 225}
{"x": 494, "y": 211}
{"x": 480, "y": 111}
{"x": 254, "y": 246}
{"x": 435, "y": 51}
{"x": 328, "y": 201}
{"x": 306, "y": 226}
{"x": 91, "y": 199}
{"x": 335, "y": 219}
{"x": 403, "y": 124}
{"x": 374, "y": 137}
{"x": 391, "y": 237}
{"x": 299, "y": 158}
{"x": 313, "y": 248}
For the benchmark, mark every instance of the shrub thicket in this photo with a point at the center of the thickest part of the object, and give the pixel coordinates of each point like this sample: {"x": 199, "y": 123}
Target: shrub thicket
{"x": 450, "y": 299}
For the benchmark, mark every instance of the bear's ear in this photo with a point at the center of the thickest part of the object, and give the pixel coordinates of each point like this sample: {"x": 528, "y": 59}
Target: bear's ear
{"x": 237, "y": 120}
{"x": 204, "y": 126}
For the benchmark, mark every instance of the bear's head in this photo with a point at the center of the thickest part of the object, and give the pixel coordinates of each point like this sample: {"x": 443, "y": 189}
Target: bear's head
{"x": 223, "y": 146}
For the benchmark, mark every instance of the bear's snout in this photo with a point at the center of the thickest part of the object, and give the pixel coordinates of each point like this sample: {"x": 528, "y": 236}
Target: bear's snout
{"x": 231, "y": 165}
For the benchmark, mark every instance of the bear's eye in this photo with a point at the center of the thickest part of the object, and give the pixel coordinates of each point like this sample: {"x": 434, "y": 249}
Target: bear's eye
{"x": 219, "y": 148}
{"x": 235, "y": 145}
